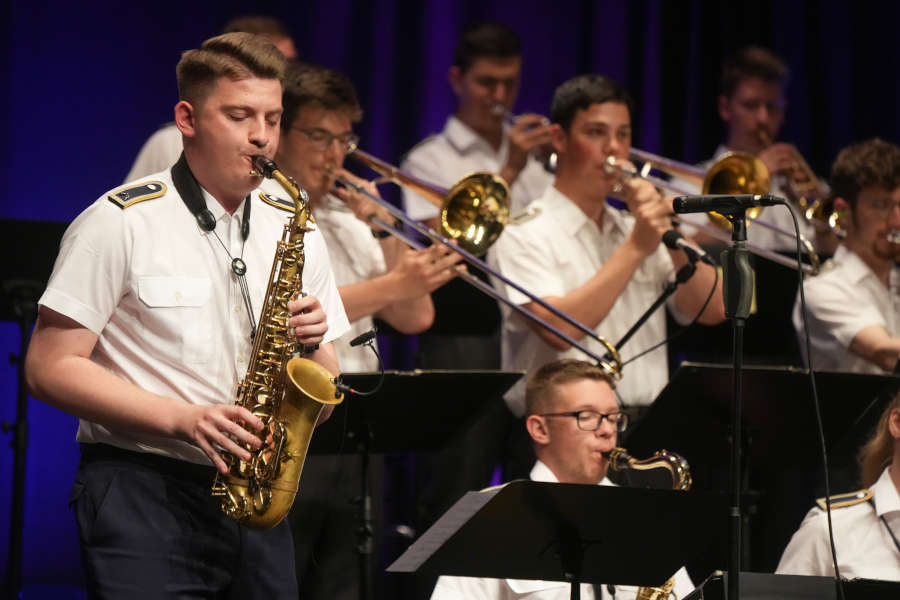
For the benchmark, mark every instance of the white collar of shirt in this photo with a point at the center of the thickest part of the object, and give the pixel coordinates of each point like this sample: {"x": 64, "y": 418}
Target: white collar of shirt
{"x": 571, "y": 218}
{"x": 218, "y": 211}
{"x": 887, "y": 499}
{"x": 464, "y": 139}
{"x": 856, "y": 269}
{"x": 542, "y": 473}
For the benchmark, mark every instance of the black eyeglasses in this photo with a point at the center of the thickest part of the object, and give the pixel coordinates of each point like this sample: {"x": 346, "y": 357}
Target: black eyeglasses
{"x": 322, "y": 139}
{"x": 591, "y": 420}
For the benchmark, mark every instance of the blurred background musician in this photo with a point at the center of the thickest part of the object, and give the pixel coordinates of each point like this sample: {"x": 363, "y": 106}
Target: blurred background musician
{"x": 572, "y": 418}
{"x": 480, "y": 136}
{"x": 854, "y": 304}
{"x": 752, "y": 105}
{"x": 163, "y": 148}
{"x": 602, "y": 266}
{"x": 866, "y": 522}
{"x": 485, "y": 78}
{"x": 377, "y": 276}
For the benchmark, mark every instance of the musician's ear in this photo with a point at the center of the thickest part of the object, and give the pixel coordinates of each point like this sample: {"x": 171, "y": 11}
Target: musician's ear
{"x": 558, "y": 137}
{"x": 537, "y": 429}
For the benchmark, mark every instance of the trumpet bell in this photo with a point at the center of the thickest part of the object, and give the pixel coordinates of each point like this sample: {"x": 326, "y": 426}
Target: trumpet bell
{"x": 475, "y": 211}
{"x": 736, "y": 173}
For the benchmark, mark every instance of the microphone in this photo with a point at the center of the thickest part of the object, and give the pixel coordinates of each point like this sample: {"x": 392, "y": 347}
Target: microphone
{"x": 364, "y": 338}
{"x": 722, "y": 203}
{"x": 674, "y": 240}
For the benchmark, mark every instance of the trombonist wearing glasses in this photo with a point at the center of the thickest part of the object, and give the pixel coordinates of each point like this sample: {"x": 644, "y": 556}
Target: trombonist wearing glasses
{"x": 376, "y": 275}
{"x": 603, "y": 267}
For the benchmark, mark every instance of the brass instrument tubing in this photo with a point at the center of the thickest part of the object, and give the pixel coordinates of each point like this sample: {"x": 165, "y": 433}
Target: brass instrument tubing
{"x": 718, "y": 234}
{"x": 473, "y": 260}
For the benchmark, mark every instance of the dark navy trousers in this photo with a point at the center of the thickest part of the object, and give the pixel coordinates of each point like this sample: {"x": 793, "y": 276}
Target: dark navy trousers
{"x": 149, "y": 528}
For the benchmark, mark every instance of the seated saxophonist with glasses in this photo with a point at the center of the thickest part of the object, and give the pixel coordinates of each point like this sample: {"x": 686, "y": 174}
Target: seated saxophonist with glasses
{"x": 854, "y": 304}
{"x": 573, "y": 418}
{"x": 149, "y": 321}
{"x": 377, "y": 276}
{"x": 866, "y": 523}
{"x": 602, "y": 266}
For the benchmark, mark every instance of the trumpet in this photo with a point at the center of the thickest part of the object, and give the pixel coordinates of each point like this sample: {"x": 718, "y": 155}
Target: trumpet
{"x": 611, "y": 362}
{"x": 734, "y": 173}
{"x": 803, "y": 188}
{"x": 547, "y": 157}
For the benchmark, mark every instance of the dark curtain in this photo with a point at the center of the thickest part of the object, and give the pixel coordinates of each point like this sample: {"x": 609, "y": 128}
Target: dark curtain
{"x": 88, "y": 82}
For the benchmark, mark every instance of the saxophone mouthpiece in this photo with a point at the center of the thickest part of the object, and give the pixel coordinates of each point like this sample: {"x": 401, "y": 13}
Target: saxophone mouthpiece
{"x": 264, "y": 166}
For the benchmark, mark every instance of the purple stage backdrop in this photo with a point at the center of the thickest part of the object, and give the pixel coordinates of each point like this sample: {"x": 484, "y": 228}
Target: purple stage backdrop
{"x": 88, "y": 82}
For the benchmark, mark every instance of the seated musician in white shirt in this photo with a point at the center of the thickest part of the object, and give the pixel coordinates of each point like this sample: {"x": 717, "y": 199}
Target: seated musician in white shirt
{"x": 573, "y": 417}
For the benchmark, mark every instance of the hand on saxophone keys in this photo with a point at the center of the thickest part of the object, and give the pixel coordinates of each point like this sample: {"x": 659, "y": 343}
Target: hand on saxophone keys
{"x": 219, "y": 428}
{"x": 308, "y": 323}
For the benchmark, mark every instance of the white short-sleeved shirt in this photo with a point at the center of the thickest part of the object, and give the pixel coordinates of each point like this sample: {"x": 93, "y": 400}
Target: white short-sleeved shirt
{"x": 843, "y": 299}
{"x": 451, "y": 587}
{"x": 776, "y": 215}
{"x": 862, "y": 543}
{"x": 555, "y": 253}
{"x": 356, "y": 256}
{"x": 159, "y": 152}
{"x": 445, "y": 158}
{"x": 160, "y": 294}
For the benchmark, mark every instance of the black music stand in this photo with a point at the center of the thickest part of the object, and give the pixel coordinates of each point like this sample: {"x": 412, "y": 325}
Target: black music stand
{"x": 766, "y": 586}
{"x": 414, "y": 411}
{"x": 532, "y": 530}
{"x": 781, "y": 455}
{"x": 31, "y": 248}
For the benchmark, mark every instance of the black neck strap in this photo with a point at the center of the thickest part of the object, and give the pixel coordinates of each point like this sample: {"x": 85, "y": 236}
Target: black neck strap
{"x": 885, "y": 523}
{"x": 192, "y": 196}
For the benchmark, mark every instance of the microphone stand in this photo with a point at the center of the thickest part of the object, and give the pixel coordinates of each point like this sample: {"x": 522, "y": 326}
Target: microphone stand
{"x": 684, "y": 273}
{"x": 737, "y": 292}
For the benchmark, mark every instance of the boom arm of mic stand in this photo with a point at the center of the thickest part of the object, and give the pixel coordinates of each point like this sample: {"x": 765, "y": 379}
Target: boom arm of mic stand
{"x": 684, "y": 273}
{"x": 487, "y": 289}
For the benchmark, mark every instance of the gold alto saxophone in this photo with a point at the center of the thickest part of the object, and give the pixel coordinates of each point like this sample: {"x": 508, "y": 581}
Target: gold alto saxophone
{"x": 286, "y": 392}
{"x": 680, "y": 471}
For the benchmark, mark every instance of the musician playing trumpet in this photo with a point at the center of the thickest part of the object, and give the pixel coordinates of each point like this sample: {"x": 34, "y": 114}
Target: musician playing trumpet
{"x": 602, "y": 266}
{"x": 751, "y": 105}
{"x": 854, "y": 305}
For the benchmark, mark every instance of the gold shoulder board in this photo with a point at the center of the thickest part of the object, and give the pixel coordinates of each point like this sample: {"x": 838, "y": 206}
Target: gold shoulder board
{"x": 129, "y": 195}
{"x": 277, "y": 202}
{"x": 848, "y": 499}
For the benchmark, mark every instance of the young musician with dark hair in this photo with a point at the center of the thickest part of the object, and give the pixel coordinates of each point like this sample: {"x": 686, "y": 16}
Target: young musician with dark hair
{"x": 377, "y": 276}
{"x": 145, "y": 329}
{"x": 602, "y": 266}
{"x": 854, "y": 311}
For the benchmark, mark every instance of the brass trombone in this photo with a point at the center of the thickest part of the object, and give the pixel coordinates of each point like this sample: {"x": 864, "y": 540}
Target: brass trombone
{"x": 733, "y": 173}
{"x": 473, "y": 212}
{"x": 464, "y": 198}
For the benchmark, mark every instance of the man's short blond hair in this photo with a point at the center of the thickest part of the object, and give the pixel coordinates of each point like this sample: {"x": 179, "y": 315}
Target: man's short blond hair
{"x": 540, "y": 388}
{"x": 236, "y": 55}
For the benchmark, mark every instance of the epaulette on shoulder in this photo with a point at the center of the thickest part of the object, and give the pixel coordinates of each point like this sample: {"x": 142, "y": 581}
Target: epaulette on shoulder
{"x": 277, "y": 202}
{"x": 848, "y": 499}
{"x": 130, "y": 195}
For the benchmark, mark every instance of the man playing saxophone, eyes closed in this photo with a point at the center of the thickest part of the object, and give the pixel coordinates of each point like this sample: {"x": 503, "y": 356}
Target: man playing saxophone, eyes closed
{"x": 146, "y": 326}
